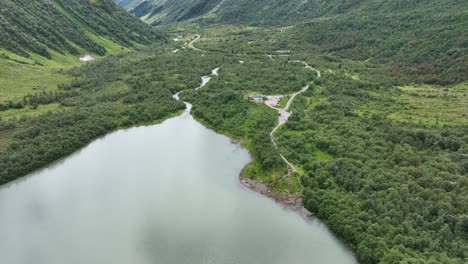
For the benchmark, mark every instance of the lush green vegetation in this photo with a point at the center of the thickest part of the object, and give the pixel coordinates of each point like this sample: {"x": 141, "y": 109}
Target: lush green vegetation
{"x": 68, "y": 27}
{"x": 422, "y": 40}
{"x": 391, "y": 185}
{"x": 393, "y": 190}
{"x": 223, "y": 105}
{"x": 411, "y": 40}
{"x": 432, "y": 105}
{"x": 21, "y": 76}
{"x": 39, "y": 40}
{"x": 387, "y": 173}
{"x": 118, "y": 91}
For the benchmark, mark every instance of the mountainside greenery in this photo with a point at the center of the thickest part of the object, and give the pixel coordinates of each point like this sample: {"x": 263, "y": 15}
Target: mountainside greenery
{"x": 245, "y": 11}
{"x": 424, "y": 40}
{"x": 40, "y": 39}
{"x": 65, "y": 26}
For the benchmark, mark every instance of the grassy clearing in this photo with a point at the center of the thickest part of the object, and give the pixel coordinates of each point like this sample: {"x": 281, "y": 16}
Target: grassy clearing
{"x": 433, "y": 105}
{"x": 110, "y": 46}
{"x": 320, "y": 155}
{"x": 29, "y": 111}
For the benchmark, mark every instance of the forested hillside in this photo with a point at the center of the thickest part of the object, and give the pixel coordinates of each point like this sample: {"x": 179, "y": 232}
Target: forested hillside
{"x": 426, "y": 41}
{"x": 271, "y": 11}
{"x": 67, "y": 26}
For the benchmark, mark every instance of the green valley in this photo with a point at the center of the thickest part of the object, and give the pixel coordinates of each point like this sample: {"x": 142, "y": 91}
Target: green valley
{"x": 376, "y": 147}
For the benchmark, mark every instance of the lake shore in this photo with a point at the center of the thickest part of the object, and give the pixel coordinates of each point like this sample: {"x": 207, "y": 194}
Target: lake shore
{"x": 289, "y": 201}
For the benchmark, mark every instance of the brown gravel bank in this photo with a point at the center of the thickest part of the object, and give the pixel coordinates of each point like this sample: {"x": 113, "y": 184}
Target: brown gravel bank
{"x": 290, "y": 201}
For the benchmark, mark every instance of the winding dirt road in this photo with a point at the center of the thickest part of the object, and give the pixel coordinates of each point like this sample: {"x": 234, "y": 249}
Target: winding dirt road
{"x": 190, "y": 45}
{"x": 283, "y": 116}
{"x": 307, "y": 66}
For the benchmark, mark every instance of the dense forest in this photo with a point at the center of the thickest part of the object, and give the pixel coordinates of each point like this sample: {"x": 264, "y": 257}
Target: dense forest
{"x": 68, "y": 26}
{"x": 413, "y": 41}
{"x": 394, "y": 191}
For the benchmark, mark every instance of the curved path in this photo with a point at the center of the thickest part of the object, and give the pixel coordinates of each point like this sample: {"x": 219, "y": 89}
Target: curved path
{"x": 307, "y": 66}
{"x": 283, "y": 116}
{"x": 190, "y": 45}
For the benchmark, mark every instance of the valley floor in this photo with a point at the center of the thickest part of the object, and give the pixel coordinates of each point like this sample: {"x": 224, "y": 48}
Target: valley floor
{"x": 362, "y": 149}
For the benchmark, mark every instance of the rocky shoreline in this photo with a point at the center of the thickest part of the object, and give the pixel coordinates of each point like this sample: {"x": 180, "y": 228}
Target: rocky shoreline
{"x": 292, "y": 202}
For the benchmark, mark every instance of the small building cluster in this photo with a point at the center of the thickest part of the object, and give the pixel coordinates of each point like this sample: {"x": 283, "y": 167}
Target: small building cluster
{"x": 272, "y": 100}
{"x": 256, "y": 98}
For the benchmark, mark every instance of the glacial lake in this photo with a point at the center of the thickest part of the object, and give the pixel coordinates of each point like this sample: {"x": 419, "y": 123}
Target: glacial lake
{"x": 167, "y": 193}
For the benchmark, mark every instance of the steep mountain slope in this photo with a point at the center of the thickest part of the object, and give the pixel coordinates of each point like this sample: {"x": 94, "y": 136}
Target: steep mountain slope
{"x": 128, "y": 4}
{"x": 269, "y": 11}
{"x": 248, "y": 11}
{"x": 68, "y": 26}
{"x": 164, "y": 12}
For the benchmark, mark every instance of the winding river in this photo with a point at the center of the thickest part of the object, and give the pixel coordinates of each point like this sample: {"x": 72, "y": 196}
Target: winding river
{"x": 167, "y": 193}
